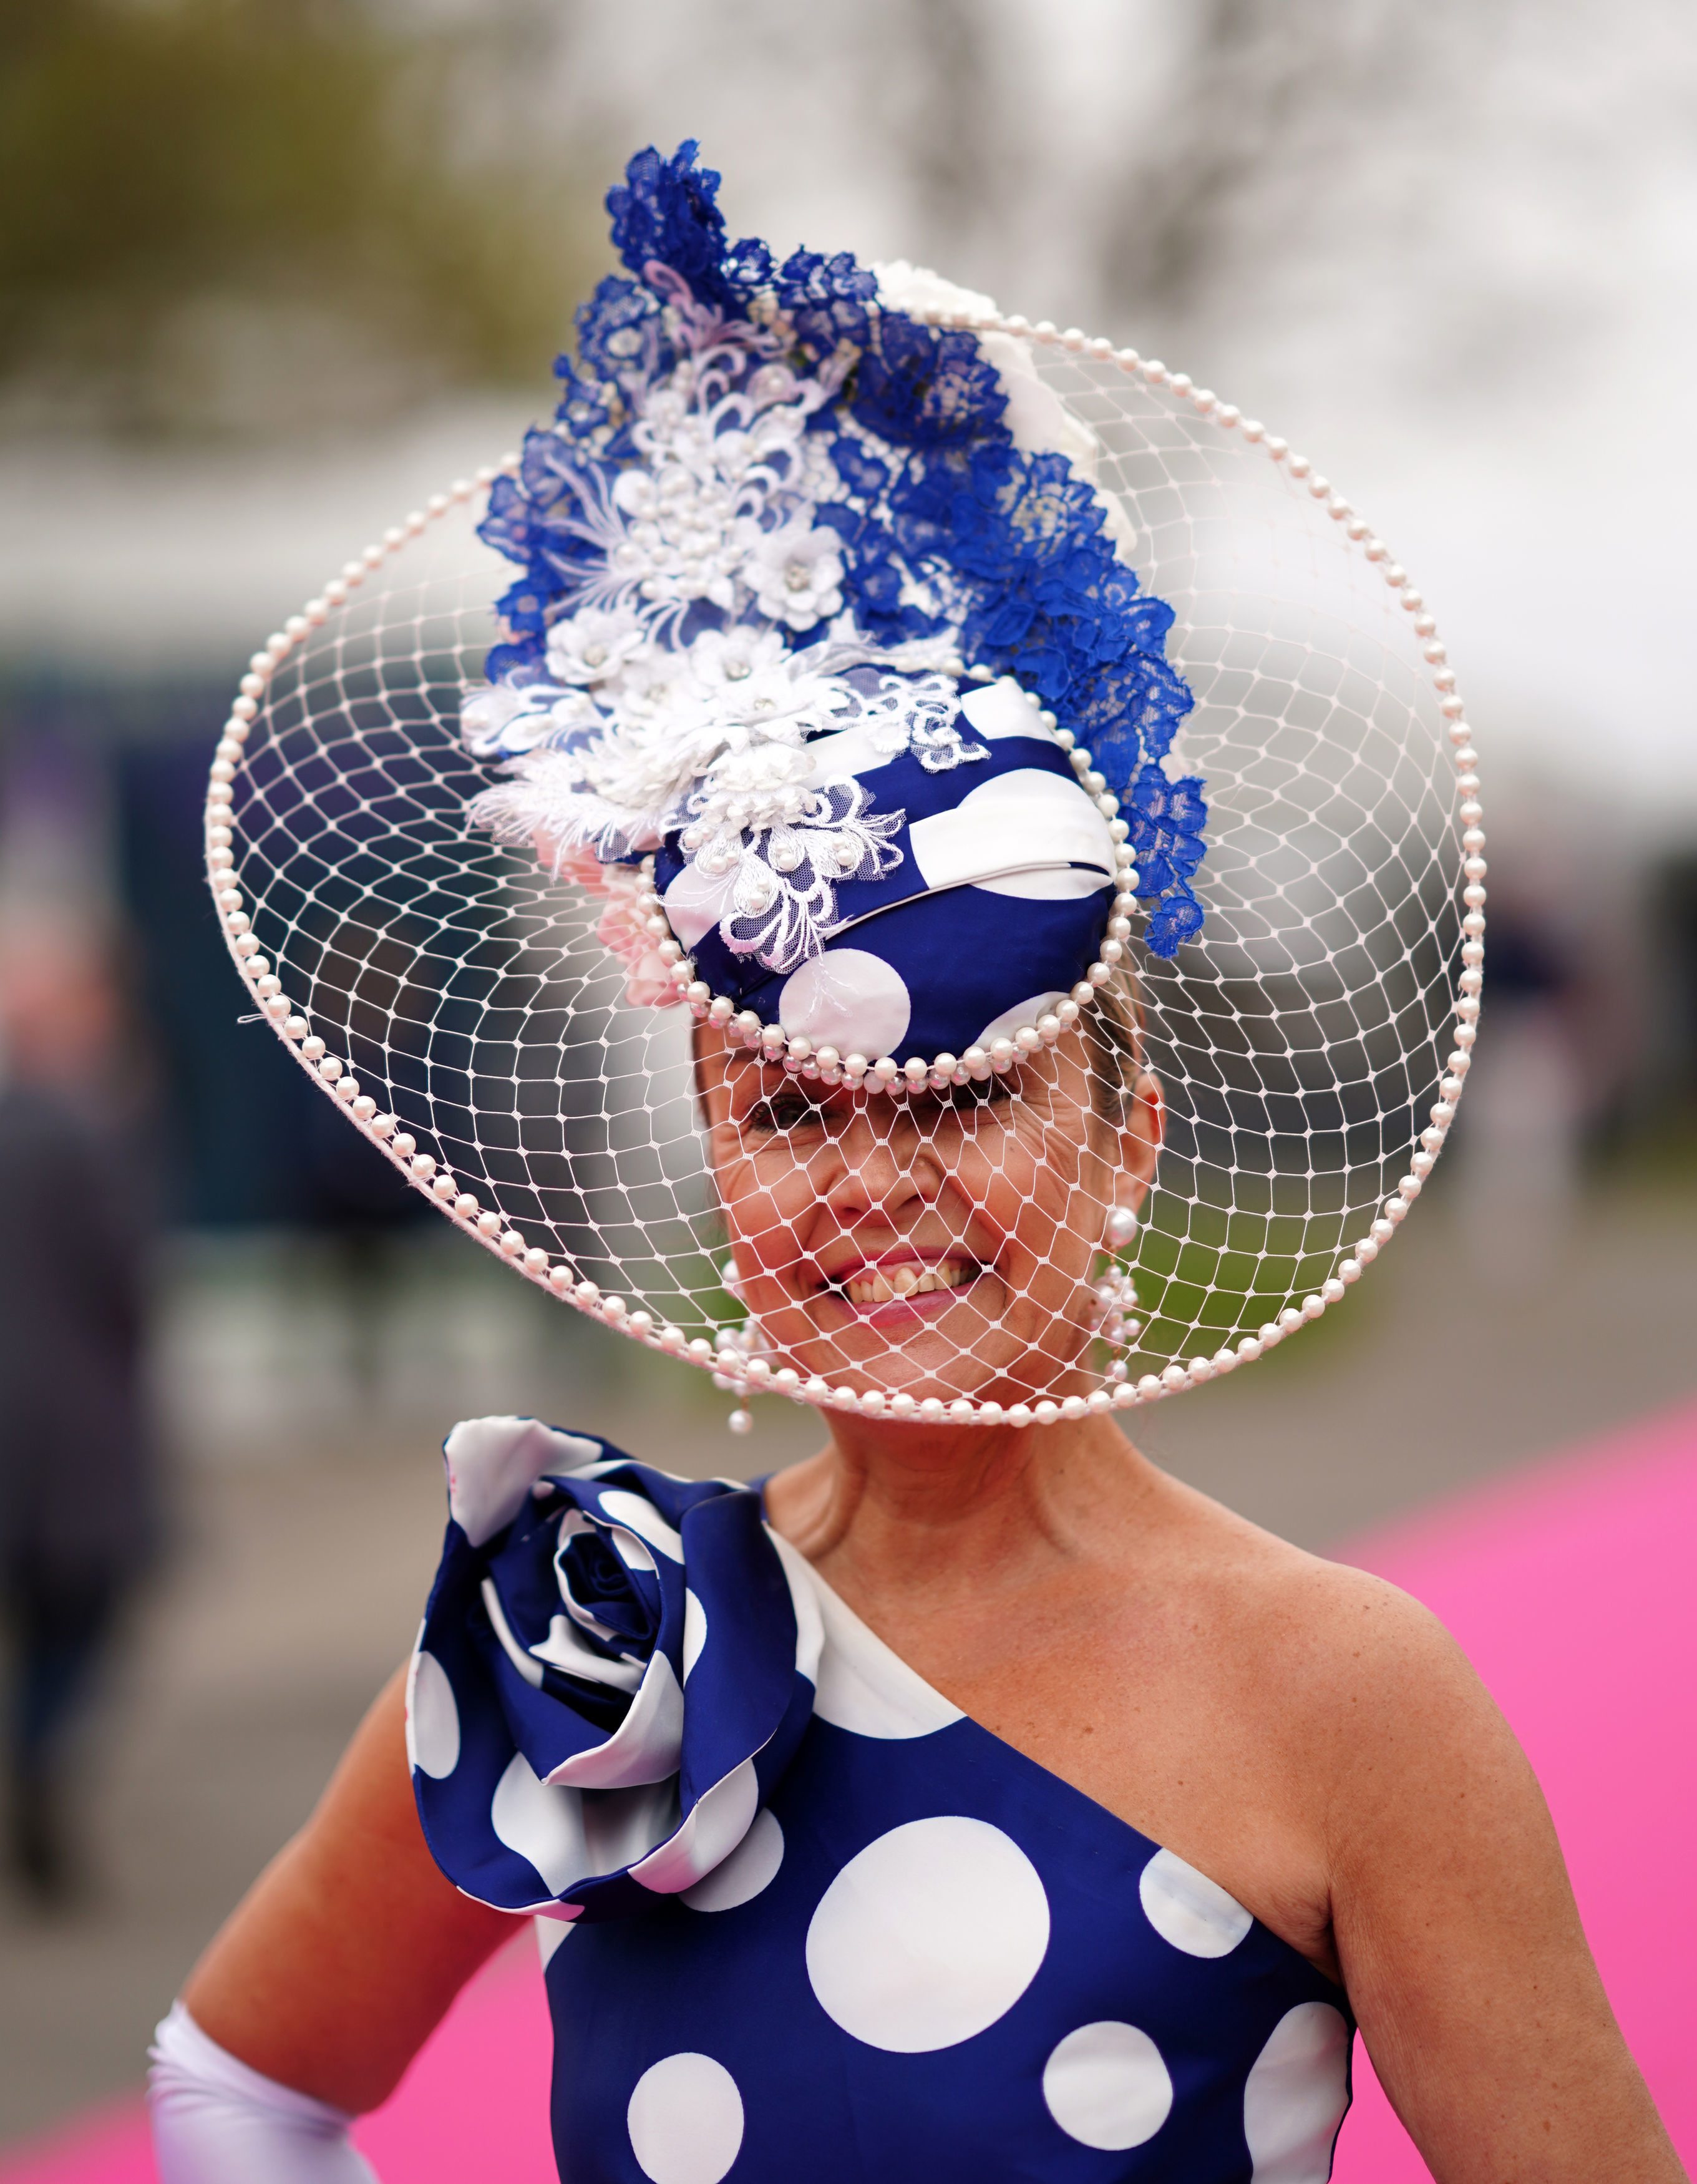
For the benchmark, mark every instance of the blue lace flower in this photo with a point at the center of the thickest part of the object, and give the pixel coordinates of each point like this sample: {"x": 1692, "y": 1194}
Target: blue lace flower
{"x": 945, "y": 527}
{"x": 1166, "y": 819}
{"x": 619, "y": 330}
{"x": 665, "y": 213}
{"x": 921, "y": 387}
{"x": 586, "y": 405}
{"x": 825, "y": 299}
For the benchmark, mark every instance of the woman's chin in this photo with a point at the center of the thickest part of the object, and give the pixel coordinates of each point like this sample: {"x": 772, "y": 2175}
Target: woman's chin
{"x": 942, "y": 1344}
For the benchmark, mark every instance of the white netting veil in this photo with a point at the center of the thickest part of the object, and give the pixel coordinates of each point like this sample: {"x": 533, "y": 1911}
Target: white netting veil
{"x": 1132, "y": 1197}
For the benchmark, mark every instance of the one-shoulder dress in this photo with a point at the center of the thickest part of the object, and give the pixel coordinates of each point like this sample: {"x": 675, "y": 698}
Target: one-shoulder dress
{"x": 804, "y": 1922}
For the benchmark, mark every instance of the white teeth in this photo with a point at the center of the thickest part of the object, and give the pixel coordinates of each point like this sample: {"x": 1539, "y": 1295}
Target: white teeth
{"x": 905, "y": 1281}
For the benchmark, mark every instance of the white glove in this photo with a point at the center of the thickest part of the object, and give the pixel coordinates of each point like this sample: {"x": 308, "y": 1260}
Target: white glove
{"x": 216, "y": 2121}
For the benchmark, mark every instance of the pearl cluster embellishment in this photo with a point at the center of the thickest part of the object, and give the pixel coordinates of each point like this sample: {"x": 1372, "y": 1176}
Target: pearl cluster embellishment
{"x": 738, "y": 1360}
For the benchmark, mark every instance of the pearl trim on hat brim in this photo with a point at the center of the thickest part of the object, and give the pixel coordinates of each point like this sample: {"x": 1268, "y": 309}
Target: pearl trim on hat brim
{"x": 557, "y": 1276}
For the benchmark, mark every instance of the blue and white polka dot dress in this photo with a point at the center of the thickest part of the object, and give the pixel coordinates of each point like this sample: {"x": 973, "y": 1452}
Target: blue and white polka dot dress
{"x": 802, "y": 1918}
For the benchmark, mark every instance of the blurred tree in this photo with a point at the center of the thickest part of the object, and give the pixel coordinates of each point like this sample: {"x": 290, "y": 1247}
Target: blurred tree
{"x": 232, "y": 214}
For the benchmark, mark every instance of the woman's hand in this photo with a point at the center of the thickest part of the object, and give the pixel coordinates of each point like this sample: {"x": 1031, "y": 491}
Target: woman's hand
{"x": 346, "y": 1953}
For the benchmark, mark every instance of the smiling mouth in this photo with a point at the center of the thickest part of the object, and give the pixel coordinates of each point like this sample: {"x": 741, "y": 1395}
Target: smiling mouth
{"x": 896, "y": 1285}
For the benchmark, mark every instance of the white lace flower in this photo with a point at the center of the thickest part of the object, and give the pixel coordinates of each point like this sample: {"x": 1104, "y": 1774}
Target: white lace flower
{"x": 651, "y": 687}
{"x": 747, "y": 791}
{"x": 647, "y": 762}
{"x": 594, "y": 644}
{"x": 679, "y": 545}
{"x": 783, "y": 899}
{"x": 484, "y": 714}
{"x": 719, "y": 658}
{"x": 796, "y": 571}
{"x": 771, "y": 705}
{"x": 499, "y": 720}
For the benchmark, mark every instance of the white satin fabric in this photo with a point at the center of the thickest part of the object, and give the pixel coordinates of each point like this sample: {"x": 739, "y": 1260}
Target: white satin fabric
{"x": 216, "y": 2121}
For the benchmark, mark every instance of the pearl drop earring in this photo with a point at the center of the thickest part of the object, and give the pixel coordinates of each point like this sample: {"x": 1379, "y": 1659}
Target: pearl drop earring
{"x": 1116, "y": 1295}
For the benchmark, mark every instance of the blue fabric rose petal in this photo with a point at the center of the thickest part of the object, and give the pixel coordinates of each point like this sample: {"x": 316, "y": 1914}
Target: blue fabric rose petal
{"x": 614, "y": 1668}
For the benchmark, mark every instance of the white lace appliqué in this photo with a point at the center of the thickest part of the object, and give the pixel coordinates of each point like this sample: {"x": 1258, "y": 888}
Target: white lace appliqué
{"x": 706, "y": 647}
{"x": 783, "y": 901}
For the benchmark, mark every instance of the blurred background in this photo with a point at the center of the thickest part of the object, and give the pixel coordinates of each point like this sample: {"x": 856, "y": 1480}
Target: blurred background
{"x": 271, "y": 271}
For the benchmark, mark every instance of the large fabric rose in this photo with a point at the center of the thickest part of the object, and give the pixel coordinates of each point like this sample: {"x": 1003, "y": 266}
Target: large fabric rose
{"x": 613, "y": 1669}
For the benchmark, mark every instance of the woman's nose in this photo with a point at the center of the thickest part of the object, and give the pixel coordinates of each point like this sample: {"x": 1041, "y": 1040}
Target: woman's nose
{"x": 882, "y": 1167}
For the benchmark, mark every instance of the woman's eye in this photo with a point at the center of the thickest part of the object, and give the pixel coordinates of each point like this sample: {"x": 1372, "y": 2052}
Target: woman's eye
{"x": 782, "y": 1113}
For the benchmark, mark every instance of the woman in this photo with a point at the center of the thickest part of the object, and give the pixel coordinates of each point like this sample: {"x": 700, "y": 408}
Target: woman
{"x": 973, "y": 1799}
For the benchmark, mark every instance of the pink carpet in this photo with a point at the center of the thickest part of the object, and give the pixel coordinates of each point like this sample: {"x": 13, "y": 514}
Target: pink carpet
{"x": 1569, "y": 1585}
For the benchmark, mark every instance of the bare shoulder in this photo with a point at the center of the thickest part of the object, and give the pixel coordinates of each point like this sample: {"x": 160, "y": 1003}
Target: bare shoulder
{"x": 1407, "y": 1823}
{"x": 1357, "y": 1675}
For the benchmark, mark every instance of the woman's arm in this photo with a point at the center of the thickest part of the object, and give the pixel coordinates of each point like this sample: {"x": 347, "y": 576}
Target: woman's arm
{"x": 346, "y": 1953}
{"x": 1456, "y": 1928}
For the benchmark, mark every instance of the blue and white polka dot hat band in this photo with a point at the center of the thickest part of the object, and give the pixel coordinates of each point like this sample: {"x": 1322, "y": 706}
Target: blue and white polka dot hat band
{"x": 885, "y": 680}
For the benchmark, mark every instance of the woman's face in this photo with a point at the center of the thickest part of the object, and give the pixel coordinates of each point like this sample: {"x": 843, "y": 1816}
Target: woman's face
{"x": 938, "y": 1244}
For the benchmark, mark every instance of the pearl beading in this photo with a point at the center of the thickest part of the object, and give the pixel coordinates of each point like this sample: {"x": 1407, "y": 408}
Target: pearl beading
{"x": 750, "y": 1375}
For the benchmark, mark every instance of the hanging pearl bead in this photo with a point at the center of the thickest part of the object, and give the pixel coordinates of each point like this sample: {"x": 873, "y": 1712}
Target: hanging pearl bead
{"x": 1122, "y": 1228}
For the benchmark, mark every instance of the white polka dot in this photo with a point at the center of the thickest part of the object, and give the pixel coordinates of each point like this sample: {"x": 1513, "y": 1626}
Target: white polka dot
{"x": 620, "y": 1506}
{"x": 1001, "y": 709}
{"x": 493, "y": 1462}
{"x": 1017, "y": 1017}
{"x": 694, "y": 1632}
{"x": 851, "y": 751}
{"x": 740, "y": 1878}
{"x": 543, "y": 1824}
{"x": 1296, "y": 2095}
{"x": 1014, "y": 830}
{"x": 718, "y": 1821}
{"x": 847, "y": 999}
{"x": 432, "y": 1718}
{"x": 550, "y": 1933}
{"x": 685, "y": 2120}
{"x": 1107, "y": 2086}
{"x": 928, "y": 1935}
{"x": 1189, "y": 1910}
{"x": 1046, "y": 883}
{"x": 631, "y": 1550}
{"x": 695, "y": 901}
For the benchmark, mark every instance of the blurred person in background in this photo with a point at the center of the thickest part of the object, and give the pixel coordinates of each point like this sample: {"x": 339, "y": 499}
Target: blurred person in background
{"x": 79, "y": 1504}
{"x": 1526, "y": 1121}
{"x": 1545, "y": 1083}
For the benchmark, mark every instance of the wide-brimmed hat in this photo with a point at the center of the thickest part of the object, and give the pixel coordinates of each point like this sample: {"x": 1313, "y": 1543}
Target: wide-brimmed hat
{"x": 896, "y": 687}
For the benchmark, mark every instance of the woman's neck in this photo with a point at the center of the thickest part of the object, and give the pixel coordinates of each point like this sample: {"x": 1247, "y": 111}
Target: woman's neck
{"x": 947, "y": 1508}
